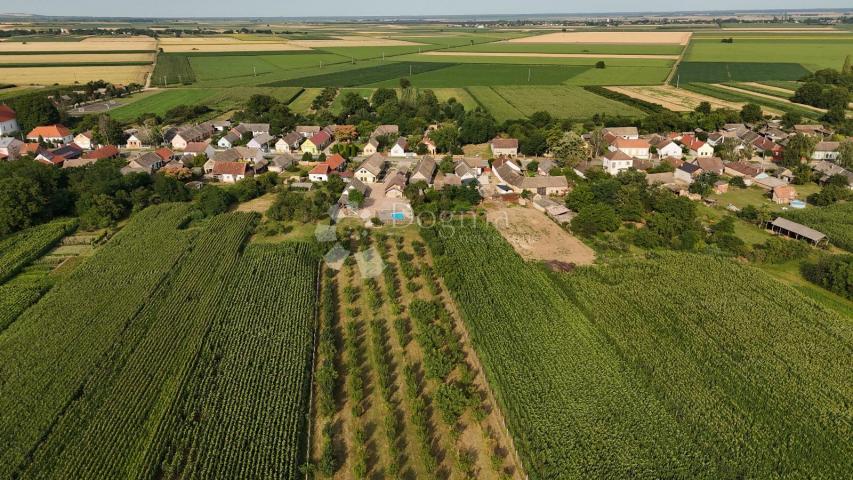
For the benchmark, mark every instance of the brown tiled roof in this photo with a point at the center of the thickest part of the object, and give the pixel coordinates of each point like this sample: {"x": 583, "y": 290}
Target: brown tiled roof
{"x": 229, "y": 168}
{"x": 504, "y": 143}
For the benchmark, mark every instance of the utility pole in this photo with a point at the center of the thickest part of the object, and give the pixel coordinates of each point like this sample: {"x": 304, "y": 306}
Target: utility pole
{"x": 410, "y": 69}
{"x": 529, "y": 74}
{"x": 677, "y": 80}
{"x": 255, "y": 70}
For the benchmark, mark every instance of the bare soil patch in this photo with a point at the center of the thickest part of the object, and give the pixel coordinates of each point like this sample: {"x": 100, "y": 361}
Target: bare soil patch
{"x": 536, "y": 237}
{"x": 680, "y": 38}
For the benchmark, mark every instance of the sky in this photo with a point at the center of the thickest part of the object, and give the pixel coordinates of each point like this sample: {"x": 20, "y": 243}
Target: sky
{"x": 291, "y": 8}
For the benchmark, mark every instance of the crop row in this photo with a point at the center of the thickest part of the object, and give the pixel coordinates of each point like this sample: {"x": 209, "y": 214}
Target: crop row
{"x": 108, "y": 429}
{"x": 21, "y": 248}
{"x": 47, "y": 354}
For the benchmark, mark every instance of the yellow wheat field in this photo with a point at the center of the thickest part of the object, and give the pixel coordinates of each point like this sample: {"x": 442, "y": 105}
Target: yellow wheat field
{"x": 679, "y": 38}
{"x": 77, "y": 58}
{"x": 224, "y": 44}
{"x": 92, "y": 44}
{"x": 70, "y": 75}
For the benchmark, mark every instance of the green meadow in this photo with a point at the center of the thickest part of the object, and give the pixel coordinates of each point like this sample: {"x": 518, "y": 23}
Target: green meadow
{"x": 812, "y": 52}
{"x": 626, "y": 49}
{"x": 563, "y": 102}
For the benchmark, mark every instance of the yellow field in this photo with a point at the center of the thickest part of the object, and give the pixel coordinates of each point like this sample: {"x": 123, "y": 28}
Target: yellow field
{"x": 353, "y": 41}
{"x": 93, "y": 44}
{"x": 642, "y": 38}
{"x": 77, "y": 58}
{"x": 677, "y": 100}
{"x": 224, "y": 44}
{"x": 70, "y": 75}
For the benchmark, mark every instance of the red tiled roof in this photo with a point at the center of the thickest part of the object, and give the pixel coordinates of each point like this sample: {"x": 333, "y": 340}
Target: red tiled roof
{"x": 196, "y": 147}
{"x": 335, "y": 161}
{"x": 321, "y": 138}
{"x": 49, "y": 131}
{"x": 164, "y": 153}
{"x": 31, "y": 148}
{"x": 6, "y": 113}
{"x": 623, "y": 143}
{"x": 692, "y": 142}
{"x": 229, "y": 168}
{"x": 320, "y": 169}
{"x": 504, "y": 143}
{"x": 108, "y": 151}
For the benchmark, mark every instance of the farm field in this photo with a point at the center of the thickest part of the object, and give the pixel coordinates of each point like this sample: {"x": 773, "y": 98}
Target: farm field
{"x": 460, "y": 94}
{"x": 102, "y": 349}
{"x": 720, "y": 72}
{"x": 461, "y": 75}
{"x": 223, "y": 44}
{"x": 68, "y": 75}
{"x": 676, "y": 38}
{"x": 677, "y": 100}
{"x": 835, "y": 221}
{"x": 771, "y": 105}
{"x": 220, "y": 99}
{"x": 588, "y": 48}
{"x": 563, "y": 102}
{"x": 76, "y": 58}
{"x": 688, "y": 378}
{"x": 400, "y": 393}
{"x": 90, "y": 45}
{"x": 813, "y": 53}
{"x": 494, "y": 103}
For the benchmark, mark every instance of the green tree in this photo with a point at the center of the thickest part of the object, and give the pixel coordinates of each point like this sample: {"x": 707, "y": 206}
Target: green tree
{"x": 595, "y": 219}
{"x": 789, "y": 119}
{"x": 568, "y": 148}
{"x": 35, "y": 110}
{"x": 751, "y": 113}
{"x": 845, "y": 154}
{"x": 477, "y": 127}
{"x": 100, "y": 211}
{"x": 799, "y": 147}
{"x": 213, "y": 200}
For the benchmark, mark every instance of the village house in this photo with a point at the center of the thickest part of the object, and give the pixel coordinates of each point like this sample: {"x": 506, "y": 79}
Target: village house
{"x": 504, "y": 147}
{"x": 10, "y": 148}
{"x": 320, "y": 173}
{"x": 638, "y": 148}
{"x": 57, "y": 134}
{"x": 424, "y": 171}
{"x": 138, "y": 140}
{"x": 431, "y": 147}
{"x": 505, "y": 174}
{"x": 814, "y": 130}
{"x": 687, "y": 172}
{"x": 282, "y": 162}
{"x": 385, "y": 130}
{"x": 144, "y": 163}
{"x": 8, "y": 121}
{"x": 229, "y": 140}
{"x": 711, "y": 165}
{"x": 616, "y": 161}
{"x": 626, "y": 133}
{"x": 85, "y": 140}
{"x": 465, "y": 173}
{"x": 399, "y": 148}
{"x": 290, "y": 143}
{"x": 254, "y": 128}
{"x": 371, "y": 147}
{"x": 768, "y": 182}
{"x": 187, "y": 135}
{"x": 354, "y": 185}
{"x": 307, "y": 131}
{"x": 768, "y": 148}
{"x": 825, "y": 170}
{"x": 667, "y": 148}
{"x": 50, "y": 158}
{"x": 826, "y": 151}
{"x": 783, "y": 194}
{"x": 743, "y": 170}
{"x": 229, "y": 172}
{"x": 316, "y": 144}
{"x": 195, "y": 149}
{"x": 221, "y": 125}
{"x": 370, "y": 171}
{"x": 262, "y": 141}
{"x": 102, "y": 153}
{"x": 395, "y": 185}
{"x": 443, "y": 180}
{"x": 695, "y": 147}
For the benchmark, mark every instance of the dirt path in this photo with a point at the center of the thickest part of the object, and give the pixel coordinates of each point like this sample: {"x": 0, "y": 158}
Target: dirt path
{"x": 549, "y": 55}
{"x": 769, "y": 97}
{"x": 536, "y": 237}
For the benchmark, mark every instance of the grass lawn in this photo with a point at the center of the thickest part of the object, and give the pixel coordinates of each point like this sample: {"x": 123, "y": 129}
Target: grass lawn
{"x": 460, "y": 94}
{"x": 336, "y": 106}
{"x": 302, "y": 103}
{"x": 741, "y": 197}
{"x": 563, "y": 102}
{"x": 789, "y": 273}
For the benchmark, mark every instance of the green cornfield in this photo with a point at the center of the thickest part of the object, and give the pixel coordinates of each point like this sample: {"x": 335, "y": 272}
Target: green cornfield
{"x": 680, "y": 366}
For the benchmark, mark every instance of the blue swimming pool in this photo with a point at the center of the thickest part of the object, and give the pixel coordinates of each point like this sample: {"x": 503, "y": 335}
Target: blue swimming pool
{"x": 398, "y": 216}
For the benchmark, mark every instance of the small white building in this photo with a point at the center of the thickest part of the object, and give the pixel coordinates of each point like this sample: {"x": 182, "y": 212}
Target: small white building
{"x": 616, "y": 161}
{"x": 399, "y": 148}
{"x": 826, "y": 151}
{"x": 637, "y": 148}
{"x": 8, "y": 121}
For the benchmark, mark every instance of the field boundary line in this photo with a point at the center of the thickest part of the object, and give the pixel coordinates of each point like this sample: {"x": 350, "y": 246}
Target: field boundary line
{"x": 310, "y": 413}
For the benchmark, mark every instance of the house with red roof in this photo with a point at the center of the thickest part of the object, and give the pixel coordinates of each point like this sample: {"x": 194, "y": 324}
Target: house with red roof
{"x": 696, "y": 147}
{"x": 51, "y": 133}
{"x": 8, "y": 121}
{"x": 317, "y": 143}
{"x": 336, "y": 162}
{"x": 103, "y": 153}
{"x": 319, "y": 173}
{"x": 637, "y": 148}
{"x": 229, "y": 172}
